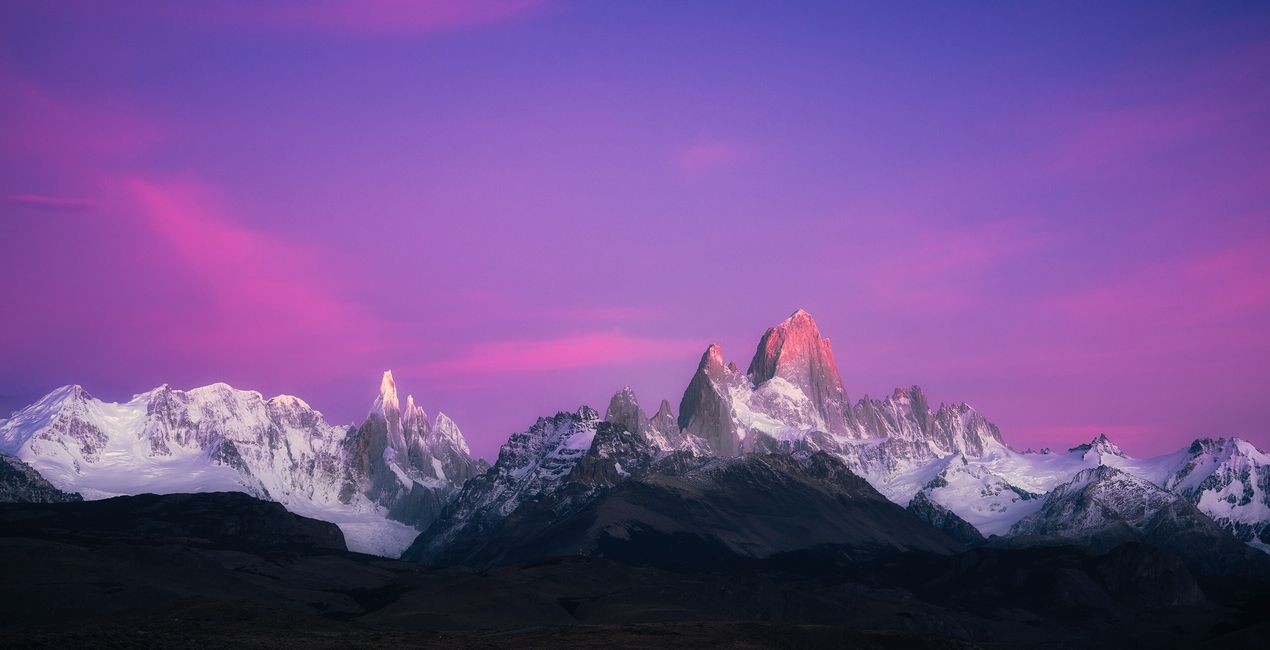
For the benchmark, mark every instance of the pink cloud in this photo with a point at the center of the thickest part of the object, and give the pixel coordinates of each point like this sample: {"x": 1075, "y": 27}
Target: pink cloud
{"x": 385, "y": 17}
{"x": 55, "y": 202}
{"x": 619, "y": 314}
{"x": 581, "y": 351}
{"x": 1214, "y": 289}
{"x": 1211, "y": 98}
{"x": 707, "y": 156}
{"x": 267, "y": 295}
{"x": 1111, "y": 136}
{"x": 68, "y": 145}
{"x": 940, "y": 270}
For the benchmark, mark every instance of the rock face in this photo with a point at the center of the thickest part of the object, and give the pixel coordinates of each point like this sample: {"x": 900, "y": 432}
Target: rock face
{"x": 792, "y": 400}
{"x": 708, "y": 407}
{"x": 1101, "y": 505}
{"x": 20, "y": 483}
{"x": 661, "y": 430}
{"x": 562, "y": 459}
{"x": 634, "y": 487}
{"x": 1229, "y": 480}
{"x": 944, "y": 519}
{"x": 405, "y": 464}
{"x": 794, "y": 352}
{"x": 576, "y": 485}
{"x": 944, "y": 460}
{"x": 381, "y": 481}
{"x": 1104, "y": 507}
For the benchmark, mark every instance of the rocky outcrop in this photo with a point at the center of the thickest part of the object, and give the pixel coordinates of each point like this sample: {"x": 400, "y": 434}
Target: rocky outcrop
{"x": 707, "y": 409}
{"x": 1098, "y": 450}
{"x": 795, "y": 352}
{"x": 20, "y": 483}
{"x": 1229, "y": 480}
{"x": 532, "y": 466}
{"x": 405, "y": 464}
{"x": 626, "y": 500}
{"x": 661, "y": 430}
{"x": 943, "y": 519}
{"x": 1104, "y": 507}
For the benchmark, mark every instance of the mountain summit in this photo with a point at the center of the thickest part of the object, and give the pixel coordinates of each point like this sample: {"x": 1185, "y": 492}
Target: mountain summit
{"x": 794, "y": 351}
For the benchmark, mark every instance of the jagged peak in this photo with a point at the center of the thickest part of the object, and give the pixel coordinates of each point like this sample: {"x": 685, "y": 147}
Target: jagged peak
{"x": 1098, "y": 473}
{"x": 627, "y": 394}
{"x": 290, "y": 401}
{"x": 800, "y": 318}
{"x": 713, "y": 357}
{"x": 414, "y": 417}
{"x": 388, "y": 387}
{"x": 1082, "y": 480}
{"x": 444, "y": 427}
{"x": 624, "y": 411}
{"x": 795, "y": 350}
{"x": 585, "y": 412}
{"x": 386, "y": 405}
{"x": 912, "y": 393}
{"x": 1099, "y": 445}
{"x": 157, "y": 390}
{"x": 1229, "y": 447}
{"x": 57, "y": 397}
{"x": 71, "y": 391}
{"x": 444, "y": 423}
{"x": 799, "y": 324}
{"x": 663, "y": 410}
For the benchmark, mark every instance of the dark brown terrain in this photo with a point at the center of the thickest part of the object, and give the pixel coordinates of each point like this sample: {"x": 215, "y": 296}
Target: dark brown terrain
{"x": 220, "y": 570}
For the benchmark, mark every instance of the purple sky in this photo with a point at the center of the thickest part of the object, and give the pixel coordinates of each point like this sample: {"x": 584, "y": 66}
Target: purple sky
{"x": 1058, "y": 214}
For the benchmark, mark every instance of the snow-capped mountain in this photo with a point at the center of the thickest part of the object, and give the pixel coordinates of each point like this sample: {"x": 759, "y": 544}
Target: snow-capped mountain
{"x": 1101, "y": 504}
{"x": 792, "y": 389}
{"x": 400, "y": 471}
{"x": 533, "y": 466}
{"x": 950, "y": 464}
{"x": 379, "y": 482}
{"x": 1103, "y": 507}
{"x": 575, "y": 484}
{"x": 1228, "y": 479}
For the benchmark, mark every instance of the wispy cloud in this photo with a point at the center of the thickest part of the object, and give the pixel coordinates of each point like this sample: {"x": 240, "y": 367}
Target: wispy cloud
{"x": 707, "y": 156}
{"x": 56, "y": 203}
{"x": 579, "y": 351}
{"x": 941, "y": 269}
{"x": 69, "y": 140}
{"x": 385, "y": 17}
{"x": 267, "y": 293}
{"x": 1132, "y": 120}
{"x": 1216, "y": 297}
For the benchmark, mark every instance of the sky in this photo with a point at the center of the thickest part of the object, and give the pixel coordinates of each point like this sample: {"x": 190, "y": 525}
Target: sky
{"x": 1056, "y": 212}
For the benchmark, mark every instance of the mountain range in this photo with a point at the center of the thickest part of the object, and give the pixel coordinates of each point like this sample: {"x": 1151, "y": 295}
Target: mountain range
{"x": 380, "y": 482}
{"x": 770, "y": 460}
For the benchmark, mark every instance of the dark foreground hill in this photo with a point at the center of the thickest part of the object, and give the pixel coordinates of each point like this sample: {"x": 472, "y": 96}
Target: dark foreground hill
{"x": 219, "y": 570}
{"x": 677, "y": 511}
